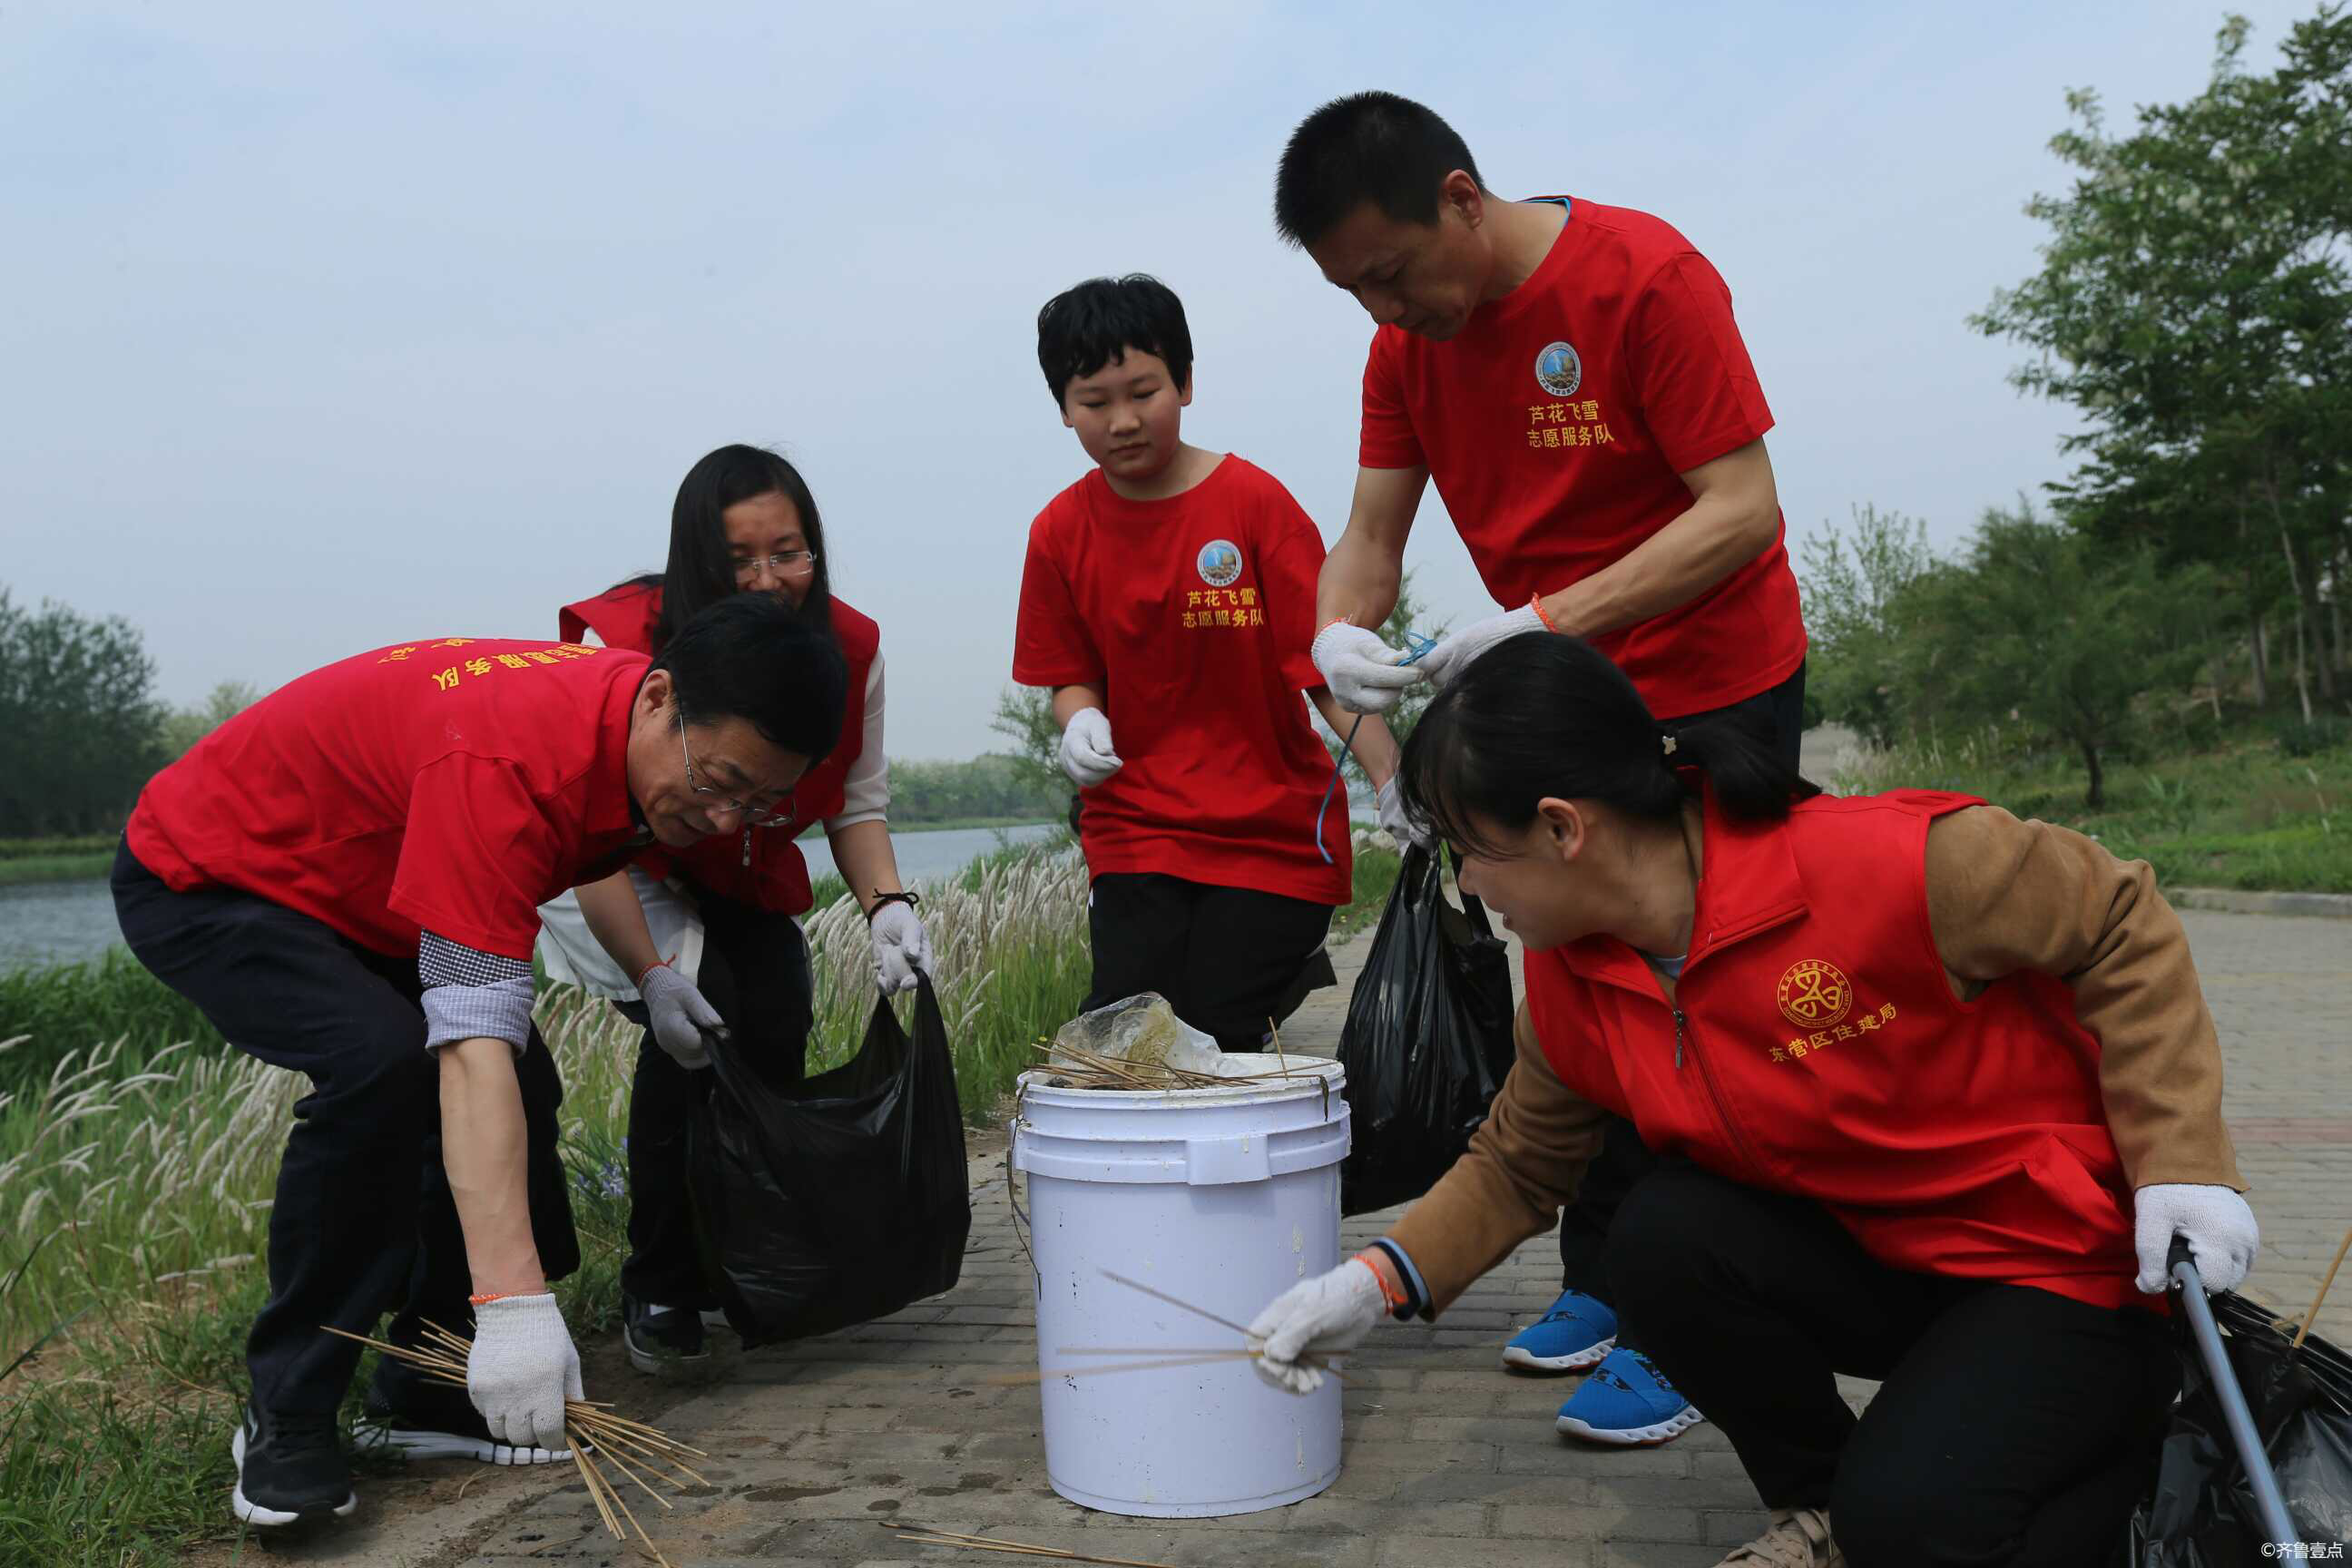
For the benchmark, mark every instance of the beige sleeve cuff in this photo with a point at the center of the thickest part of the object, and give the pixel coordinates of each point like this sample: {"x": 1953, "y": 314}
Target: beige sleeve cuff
{"x": 1522, "y": 1166}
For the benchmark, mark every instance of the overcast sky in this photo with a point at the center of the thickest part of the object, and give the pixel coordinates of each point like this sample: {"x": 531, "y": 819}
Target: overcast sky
{"x": 326, "y": 330}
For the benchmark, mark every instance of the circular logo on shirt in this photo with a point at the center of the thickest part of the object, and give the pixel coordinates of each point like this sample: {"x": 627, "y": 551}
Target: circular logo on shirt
{"x": 1814, "y": 994}
{"x": 1558, "y": 371}
{"x": 1219, "y": 562}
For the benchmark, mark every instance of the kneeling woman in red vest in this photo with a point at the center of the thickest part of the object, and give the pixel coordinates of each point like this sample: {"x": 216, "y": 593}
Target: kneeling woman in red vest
{"x": 743, "y": 522}
{"x": 1935, "y": 1088}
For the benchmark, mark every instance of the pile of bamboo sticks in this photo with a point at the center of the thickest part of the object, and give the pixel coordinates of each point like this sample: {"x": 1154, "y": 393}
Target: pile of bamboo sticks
{"x": 1074, "y": 1067}
{"x": 596, "y": 1436}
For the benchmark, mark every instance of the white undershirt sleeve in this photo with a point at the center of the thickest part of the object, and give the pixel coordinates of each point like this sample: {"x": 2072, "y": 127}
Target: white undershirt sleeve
{"x": 865, "y": 791}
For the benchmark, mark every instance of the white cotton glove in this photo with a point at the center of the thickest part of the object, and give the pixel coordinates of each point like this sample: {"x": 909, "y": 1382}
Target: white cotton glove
{"x": 1086, "y": 755}
{"x": 1324, "y": 1315}
{"x": 678, "y": 1015}
{"x": 522, "y": 1368}
{"x": 1449, "y": 658}
{"x": 901, "y": 947}
{"x": 2215, "y": 1221}
{"x": 1363, "y": 672}
{"x": 1395, "y": 818}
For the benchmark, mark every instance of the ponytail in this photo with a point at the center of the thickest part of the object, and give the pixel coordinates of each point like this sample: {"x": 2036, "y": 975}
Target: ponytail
{"x": 1750, "y": 780}
{"x": 1543, "y": 715}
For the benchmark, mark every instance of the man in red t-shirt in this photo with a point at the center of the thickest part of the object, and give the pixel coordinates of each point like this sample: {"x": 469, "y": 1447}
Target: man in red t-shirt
{"x": 346, "y": 879}
{"x": 1170, "y": 593}
{"x": 1571, "y": 377}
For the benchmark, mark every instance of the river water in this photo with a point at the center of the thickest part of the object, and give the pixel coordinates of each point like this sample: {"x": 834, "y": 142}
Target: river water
{"x": 55, "y": 922}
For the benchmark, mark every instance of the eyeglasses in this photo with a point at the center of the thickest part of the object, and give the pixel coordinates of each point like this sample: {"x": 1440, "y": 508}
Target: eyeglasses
{"x": 783, "y": 563}
{"x": 753, "y": 815}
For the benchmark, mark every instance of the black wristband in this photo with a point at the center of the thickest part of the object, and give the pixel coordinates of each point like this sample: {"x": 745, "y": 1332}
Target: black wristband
{"x": 881, "y": 897}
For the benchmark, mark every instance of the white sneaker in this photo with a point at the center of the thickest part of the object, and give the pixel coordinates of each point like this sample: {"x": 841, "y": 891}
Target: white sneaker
{"x": 1800, "y": 1538}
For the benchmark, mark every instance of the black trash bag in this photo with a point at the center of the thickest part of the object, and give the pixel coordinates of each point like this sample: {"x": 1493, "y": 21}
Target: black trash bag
{"x": 2202, "y": 1512}
{"x": 837, "y": 1200}
{"x": 1427, "y": 1041}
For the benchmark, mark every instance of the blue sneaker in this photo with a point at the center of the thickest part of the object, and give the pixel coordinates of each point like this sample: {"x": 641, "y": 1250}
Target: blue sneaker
{"x": 1627, "y": 1401}
{"x": 1574, "y": 1332}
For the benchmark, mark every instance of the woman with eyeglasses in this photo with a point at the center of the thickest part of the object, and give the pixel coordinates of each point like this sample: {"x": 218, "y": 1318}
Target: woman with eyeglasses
{"x": 731, "y": 955}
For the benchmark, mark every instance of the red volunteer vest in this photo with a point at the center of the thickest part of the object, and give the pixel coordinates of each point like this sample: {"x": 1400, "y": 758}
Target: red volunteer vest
{"x": 1818, "y": 1051}
{"x": 777, "y": 877}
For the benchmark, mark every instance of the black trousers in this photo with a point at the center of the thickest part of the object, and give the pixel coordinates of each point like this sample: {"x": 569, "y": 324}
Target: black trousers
{"x": 1624, "y": 1159}
{"x": 755, "y": 972}
{"x": 2012, "y": 1426}
{"x": 1231, "y": 960}
{"x": 363, "y": 1222}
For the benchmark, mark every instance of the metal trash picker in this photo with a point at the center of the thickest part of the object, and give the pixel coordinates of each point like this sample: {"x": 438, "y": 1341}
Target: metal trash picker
{"x": 2269, "y": 1502}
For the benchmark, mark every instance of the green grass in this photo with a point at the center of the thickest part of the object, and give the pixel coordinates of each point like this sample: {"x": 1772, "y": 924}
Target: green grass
{"x": 38, "y": 848}
{"x": 2251, "y": 813}
{"x": 1376, "y": 875}
{"x": 80, "y": 865}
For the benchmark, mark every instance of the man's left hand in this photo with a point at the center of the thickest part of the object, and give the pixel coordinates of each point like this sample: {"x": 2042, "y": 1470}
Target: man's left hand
{"x": 2215, "y": 1222}
{"x": 1449, "y": 658}
{"x": 901, "y": 947}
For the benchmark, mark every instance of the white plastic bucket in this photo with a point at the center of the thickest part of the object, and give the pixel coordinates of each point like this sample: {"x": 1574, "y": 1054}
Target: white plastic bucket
{"x": 1224, "y": 1198}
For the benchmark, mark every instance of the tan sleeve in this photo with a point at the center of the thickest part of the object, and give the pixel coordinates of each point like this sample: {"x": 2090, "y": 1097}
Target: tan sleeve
{"x": 1522, "y": 1166}
{"x": 2005, "y": 895}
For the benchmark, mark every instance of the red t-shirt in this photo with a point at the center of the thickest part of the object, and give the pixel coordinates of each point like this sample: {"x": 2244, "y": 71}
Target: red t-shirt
{"x": 1557, "y": 425}
{"x": 454, "y": 785}
{"x": 1192, "y": 617}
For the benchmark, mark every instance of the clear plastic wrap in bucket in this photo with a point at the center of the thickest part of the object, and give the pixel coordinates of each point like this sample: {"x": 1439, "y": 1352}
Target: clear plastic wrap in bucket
{"x": 1223, "y": 1198}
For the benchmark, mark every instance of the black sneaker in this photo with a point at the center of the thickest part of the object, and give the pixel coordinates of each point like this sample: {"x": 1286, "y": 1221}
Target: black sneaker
{"x": 290, "y": 1469}
{"x": 408, "y": 1416}
{"x": 664, "y": 1341}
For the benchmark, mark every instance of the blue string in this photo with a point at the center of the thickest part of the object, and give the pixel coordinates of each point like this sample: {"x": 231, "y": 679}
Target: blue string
{"x": 1419, "y": 646}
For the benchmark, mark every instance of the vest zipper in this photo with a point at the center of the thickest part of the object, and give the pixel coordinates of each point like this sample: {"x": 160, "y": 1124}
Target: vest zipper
{"x": 1722, "y": 1112}
{"x": 747, "y": 846}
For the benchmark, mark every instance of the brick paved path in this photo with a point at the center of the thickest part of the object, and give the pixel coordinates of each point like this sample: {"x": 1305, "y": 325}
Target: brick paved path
{"x": 1449, "y": 1460}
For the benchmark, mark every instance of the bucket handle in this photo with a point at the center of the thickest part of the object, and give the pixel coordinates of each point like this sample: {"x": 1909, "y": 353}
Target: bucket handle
{"x": 1021, "y": 1223}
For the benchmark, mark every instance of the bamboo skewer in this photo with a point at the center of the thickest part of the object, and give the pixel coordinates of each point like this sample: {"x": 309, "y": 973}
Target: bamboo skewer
{"x": 923, "y": 1537}
{"x": 590, "y": 1428}
{"x": 2312, "y": 1316}
{"x": 1318, "y": 1363}
{"x": 1023, "y": 1379}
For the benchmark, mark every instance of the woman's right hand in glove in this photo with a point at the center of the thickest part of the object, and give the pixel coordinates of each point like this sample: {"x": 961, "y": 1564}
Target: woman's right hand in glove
{"x": 1323, "y": 1316}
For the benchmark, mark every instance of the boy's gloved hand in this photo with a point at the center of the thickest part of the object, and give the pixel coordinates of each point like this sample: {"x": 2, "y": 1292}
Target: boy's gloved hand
{"x": 901, "y": 947}
{"x": 2218, "y": 1224}
{"x": 522, "y": 1368}
{"x": 1086, "y": 755}
{"x": 677, "y": 1015}
{"x": 1449, "y": 658}
{"x": 1395, "y": 818}
{"x": 1324, "y": 1315}
{"x": 1363, "y": 672}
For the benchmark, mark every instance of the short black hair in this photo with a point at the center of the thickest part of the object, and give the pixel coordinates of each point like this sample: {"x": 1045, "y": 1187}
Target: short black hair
{"x": 751, "y": 657}
{"x": 1081, "y": 329}
{"x": 1367, "y": 147}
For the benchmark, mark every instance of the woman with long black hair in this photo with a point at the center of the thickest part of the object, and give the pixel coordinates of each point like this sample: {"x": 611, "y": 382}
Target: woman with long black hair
{"x": 729, "y": 951}
{"x": 1936, "y": 1089}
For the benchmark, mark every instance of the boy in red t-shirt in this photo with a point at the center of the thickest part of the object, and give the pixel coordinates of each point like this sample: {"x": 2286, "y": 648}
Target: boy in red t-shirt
{"x": 1171, "y": 594}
